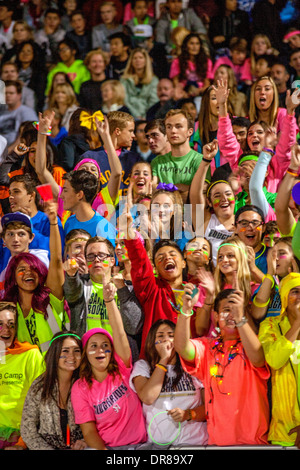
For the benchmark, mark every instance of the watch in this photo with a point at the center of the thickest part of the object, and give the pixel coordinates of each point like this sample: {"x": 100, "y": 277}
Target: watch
{"x": 242, "y": 322}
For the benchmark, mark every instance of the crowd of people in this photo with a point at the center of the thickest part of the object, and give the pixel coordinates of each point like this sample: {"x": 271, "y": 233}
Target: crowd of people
{"x": 150, "y": 231}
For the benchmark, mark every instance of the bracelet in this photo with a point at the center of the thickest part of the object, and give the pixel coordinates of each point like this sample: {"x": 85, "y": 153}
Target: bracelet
{"x": 192, "y": 415}
{"x": 292, "y": 172}
{"x": 162, "y": 367}
{"x": 268, "y": 276}
{"x": 107, "y": 301}
{"x": 242, "y": 322}
{"x": 45, "y": 133}
{"x": 257, "y": 304}
{"x": 266, "y": 149}
{"x": 206, "y": 160}
{"x": 54, "y": 224}
{"x": 186, "y": 314}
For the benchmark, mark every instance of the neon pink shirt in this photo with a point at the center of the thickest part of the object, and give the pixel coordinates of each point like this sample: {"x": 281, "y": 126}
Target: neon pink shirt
{"x": 242, "y": 72}
{"x": 191, "y": 72}
{"x": 237, "y": 404}
{"x": 113, "y": 405}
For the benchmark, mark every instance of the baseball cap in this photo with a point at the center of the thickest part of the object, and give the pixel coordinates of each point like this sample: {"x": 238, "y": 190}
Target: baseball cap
{"x": 95, "y": 331}
{"x": 16, "y": 216}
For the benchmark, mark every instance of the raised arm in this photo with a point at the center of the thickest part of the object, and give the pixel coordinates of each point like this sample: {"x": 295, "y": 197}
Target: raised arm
{"x": 284, "y": 215}
{"x": 121, "y": 344}
{"x": 113, "y": 159}
{"x": 41, "y": 169}
{"x": 183, "y": 346}
{"x": 55, "y": 277}
{"x": 197, "y": 186}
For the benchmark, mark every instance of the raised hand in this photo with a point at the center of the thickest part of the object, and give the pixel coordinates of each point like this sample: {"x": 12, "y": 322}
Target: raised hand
{"x": 45, "y": 121}
{"x": 109, "y": 289}
{"x": 70, "y": 266}
{"x": 210, "y": 150}
{"x": 222, "y": 91}
{"x": 295, "y": 157}
{"x": 188, "y": 299}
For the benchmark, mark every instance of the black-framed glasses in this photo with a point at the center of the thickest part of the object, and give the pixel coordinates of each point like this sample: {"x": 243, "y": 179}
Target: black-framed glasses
{"x": 101, "y": 256}
{"x": 245, "y": 223}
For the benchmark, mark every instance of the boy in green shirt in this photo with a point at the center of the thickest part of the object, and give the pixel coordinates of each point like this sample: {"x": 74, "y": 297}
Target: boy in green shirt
{"x": 180, "y": 164}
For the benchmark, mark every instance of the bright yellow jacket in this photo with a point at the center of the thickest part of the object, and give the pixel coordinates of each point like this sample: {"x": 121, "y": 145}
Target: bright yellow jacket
{"x": 281, "y": 355}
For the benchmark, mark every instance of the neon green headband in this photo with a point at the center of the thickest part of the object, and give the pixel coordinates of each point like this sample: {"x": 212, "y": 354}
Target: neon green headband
{"x": 64, "y": 335}
{"x": 248, "y": 157}
{"x": 232, "y": 244}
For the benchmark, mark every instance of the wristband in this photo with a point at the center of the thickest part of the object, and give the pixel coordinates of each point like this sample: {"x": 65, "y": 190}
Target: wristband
{"x": 54, "y": 224}
{"x": 268, "y": 276}
{"x": 257, "y": 304}
{"x": 186, "y": 314}
{"x": 266, "y": 149}
{"x": 192, "y": 415}
{"x": 292, "y": 172}
{"x": 107, "y": 301}
{"x": 206, "y": 160}
{"x": 162, "y": 367}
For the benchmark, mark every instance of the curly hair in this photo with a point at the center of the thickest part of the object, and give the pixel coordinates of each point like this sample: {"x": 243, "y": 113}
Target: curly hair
{"x": 201, "y": 60}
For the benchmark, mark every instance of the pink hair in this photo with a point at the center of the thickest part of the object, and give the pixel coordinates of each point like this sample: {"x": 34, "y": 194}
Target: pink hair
{"x": 40, "y": 298}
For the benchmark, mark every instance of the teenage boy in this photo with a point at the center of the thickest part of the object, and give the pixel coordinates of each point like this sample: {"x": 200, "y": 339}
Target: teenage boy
{"x": 79, "y": 34}
{"x": 79, "y": 190}
{"x": 155, "y": 132}
{"x": 180, "y": 164}
{"x": 10, "y": 71}
{"x": 15, "y": 113}
{"x": 74, "y": 68}
{"x": 84, "y": 293}
{"x": 281, "y": 77}
{"x": 121, "y": 128}
{"x": 50, "y": 35}
{"x": 159, "y": 295}
{"x": 23, "y": 197}
{"x": 90, "y": 96}
{"x": 232, "y": 368}
{"x": 17, "y": 235}
{"x": 119, "y": 48}
{"x": 295, "y": 64}
{"x": 250, "y": 227}
{"x": 140, "y": 18}
{"x": 141, "y": 146}
{"x": 108, "y": 26}
{"x": 176, "y": 16}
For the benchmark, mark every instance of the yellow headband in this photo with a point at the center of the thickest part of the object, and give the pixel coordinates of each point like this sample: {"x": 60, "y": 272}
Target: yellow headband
{"x": 213, "y": 184}
{"x": 289, "y": 282}
{"x": 89, "y": 120}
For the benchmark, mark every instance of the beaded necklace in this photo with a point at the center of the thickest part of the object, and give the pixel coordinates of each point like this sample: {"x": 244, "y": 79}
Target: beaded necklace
{"x": 217, "y": 371}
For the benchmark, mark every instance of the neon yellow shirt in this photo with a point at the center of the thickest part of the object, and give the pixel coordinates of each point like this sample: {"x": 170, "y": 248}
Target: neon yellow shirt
{"x": 281, "y": 355}
{"x": 17, "y": 372}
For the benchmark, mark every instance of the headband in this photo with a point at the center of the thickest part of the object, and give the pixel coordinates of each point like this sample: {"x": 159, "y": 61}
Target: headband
{"x": 64, "y": 335}
{"x": 289, "y": 35}
{"x": 248, "y": 157}
{"x": 76, "y": 239}
{"x": 232, "y": 244}
{"x": 213, "y": 184}
{"x": 89, "y": 120}
{"x": 88, "y": 160}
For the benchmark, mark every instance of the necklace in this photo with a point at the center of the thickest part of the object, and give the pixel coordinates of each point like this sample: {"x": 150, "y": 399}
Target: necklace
{"x": 217, "y": 371}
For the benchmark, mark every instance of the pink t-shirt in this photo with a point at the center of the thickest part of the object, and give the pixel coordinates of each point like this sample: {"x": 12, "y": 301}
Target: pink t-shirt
{"x": 236, "y": 404}
{"x": 113, "y": 405}
{"x": 242, "y": 72}
{"x": 191, "y": 72}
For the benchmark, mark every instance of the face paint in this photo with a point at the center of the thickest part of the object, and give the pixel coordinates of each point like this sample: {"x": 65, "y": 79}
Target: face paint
{"x": 92, "y": 352}
{"x": 216, "y": 202}
{"x": 107, "y": 351}
{"x": 105, "y": 263}
{"x": 259, "y": 228}
{"x": 90, "y": 265}
{"x": 73, "y": 262}
{"x": 206, "y": 254}
{"x": 283, "y": 257}
{"x": 231, "y": 199}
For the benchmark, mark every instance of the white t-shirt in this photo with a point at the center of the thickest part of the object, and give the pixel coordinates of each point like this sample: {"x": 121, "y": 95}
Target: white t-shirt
{"x": 216, "y": 233}
{"x": 185, "y": 395}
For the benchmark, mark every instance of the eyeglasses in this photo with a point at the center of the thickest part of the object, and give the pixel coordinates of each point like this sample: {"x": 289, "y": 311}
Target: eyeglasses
{"x": 101, "y": 256}
{"x": 245, "y": 223}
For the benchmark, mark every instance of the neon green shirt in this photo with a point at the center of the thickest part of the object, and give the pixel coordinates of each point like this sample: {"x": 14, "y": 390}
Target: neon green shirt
{"x": 17, "y": 372}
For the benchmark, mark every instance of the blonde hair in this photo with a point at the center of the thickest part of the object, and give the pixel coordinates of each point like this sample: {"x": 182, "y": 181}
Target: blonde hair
{"x": 177, "y": 36}
{"x": 118, "y": 119}
{"x": 71, "y": 97}
{"x": 90, "y": 54}
{"x": 118, "y": 90}
{"x": 26, "y": 27}
{"x": 129, "y": 71}
{"x": 243, "y": 271}
{"x": 253, "y": 111}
